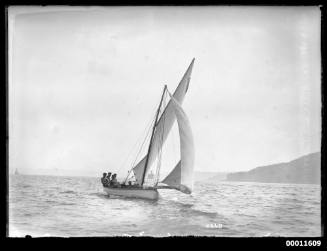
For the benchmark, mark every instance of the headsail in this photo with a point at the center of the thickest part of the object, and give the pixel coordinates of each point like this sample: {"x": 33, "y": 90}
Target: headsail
{"x": 164, "y": 125}
{"x": 181, "y": 177}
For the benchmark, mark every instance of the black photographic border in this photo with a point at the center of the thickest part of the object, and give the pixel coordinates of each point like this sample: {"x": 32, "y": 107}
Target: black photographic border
{"x": 165, "y": 242}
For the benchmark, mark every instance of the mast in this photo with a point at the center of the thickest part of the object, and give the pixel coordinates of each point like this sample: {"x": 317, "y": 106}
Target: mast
{"x": 166, "y": 120}
{"x": 153, "y": 129}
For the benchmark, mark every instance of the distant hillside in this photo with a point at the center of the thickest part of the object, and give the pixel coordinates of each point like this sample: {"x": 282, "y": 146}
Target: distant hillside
{"x": 304, "y": 170}
{"x": 201, "y": 176}
{"x": 217, "y": 177}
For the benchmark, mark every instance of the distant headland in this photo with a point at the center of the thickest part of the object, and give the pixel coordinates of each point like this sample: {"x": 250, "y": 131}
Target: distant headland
{"x": 303, "y": 170}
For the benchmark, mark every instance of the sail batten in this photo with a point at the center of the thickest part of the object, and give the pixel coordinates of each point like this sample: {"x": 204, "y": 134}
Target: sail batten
{"x": 164, "y": 126}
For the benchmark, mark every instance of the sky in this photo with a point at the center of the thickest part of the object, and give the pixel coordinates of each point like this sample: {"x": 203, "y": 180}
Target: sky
{"x": 84, "y": 83}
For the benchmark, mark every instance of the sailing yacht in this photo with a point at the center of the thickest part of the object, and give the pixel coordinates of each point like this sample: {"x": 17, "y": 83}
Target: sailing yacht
{"x": 181, "y": 176}
{"x": 16, "y": 172}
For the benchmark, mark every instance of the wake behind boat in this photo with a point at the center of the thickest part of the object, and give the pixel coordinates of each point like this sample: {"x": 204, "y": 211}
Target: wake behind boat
{"x": 139, "y": 183}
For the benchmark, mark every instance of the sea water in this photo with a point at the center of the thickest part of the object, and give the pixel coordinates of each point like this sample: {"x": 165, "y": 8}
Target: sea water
{"x": 77, "y": 206}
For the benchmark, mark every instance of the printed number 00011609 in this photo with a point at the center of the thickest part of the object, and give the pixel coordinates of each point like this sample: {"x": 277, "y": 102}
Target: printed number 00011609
{"x": 303, "y": 243}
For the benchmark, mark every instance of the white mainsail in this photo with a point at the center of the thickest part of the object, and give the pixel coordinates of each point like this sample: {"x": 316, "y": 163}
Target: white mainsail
{"x": 181, "y": 177}
{"x": 164, "y": 125}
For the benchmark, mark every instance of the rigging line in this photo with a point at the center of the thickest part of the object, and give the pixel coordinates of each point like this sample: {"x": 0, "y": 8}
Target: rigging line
{"x": 158, "y": 160}
{"x": 146, "y": 130}
{"x": 162, "y": 140}
{"x": 158, "y": 164}
{"x": 173, "y": 139}
{"x": 159, "y": 130}
{"x": 133, "y": 148}
{"x": 133, "y": 164}
{"x": 160, "y": 150}
{"x": 173, "y": 143}
{"x": 154, "y": 124}
{"x": 152, "y": 135}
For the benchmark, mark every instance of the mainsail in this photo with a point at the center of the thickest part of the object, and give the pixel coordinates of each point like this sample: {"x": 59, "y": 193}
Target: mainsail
{"x": 181, "y": 177}
{"x": 163, "y": 126}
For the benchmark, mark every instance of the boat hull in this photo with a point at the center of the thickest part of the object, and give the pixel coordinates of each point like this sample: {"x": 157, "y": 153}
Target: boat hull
{"x": 150, "y": 194}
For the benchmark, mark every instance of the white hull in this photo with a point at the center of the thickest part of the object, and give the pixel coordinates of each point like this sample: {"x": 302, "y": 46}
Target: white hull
{"x": 151, "y": 194}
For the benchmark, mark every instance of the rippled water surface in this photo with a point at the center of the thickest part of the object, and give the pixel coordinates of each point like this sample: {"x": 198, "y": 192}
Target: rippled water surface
{"x": 76, "y": 206}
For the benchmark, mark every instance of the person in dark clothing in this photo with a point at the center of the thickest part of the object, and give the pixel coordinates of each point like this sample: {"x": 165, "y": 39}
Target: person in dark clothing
{"x": 104, "y": 180}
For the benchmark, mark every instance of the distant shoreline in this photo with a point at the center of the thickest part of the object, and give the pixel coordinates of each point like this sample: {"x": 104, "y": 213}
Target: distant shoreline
{"x": 303, "y": 170}
{"x": 198, "y": 181}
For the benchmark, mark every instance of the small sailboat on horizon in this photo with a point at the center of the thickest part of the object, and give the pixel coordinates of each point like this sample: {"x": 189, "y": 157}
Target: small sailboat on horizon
{"x": 181, "y": 177}
{"x": 16, "y": 172}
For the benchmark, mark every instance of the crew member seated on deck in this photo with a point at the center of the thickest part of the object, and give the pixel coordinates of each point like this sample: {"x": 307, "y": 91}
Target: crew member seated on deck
{"x": 114, "y": 181}
{"x": 108, "y": 177}
{"x": 104, "y": 180}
